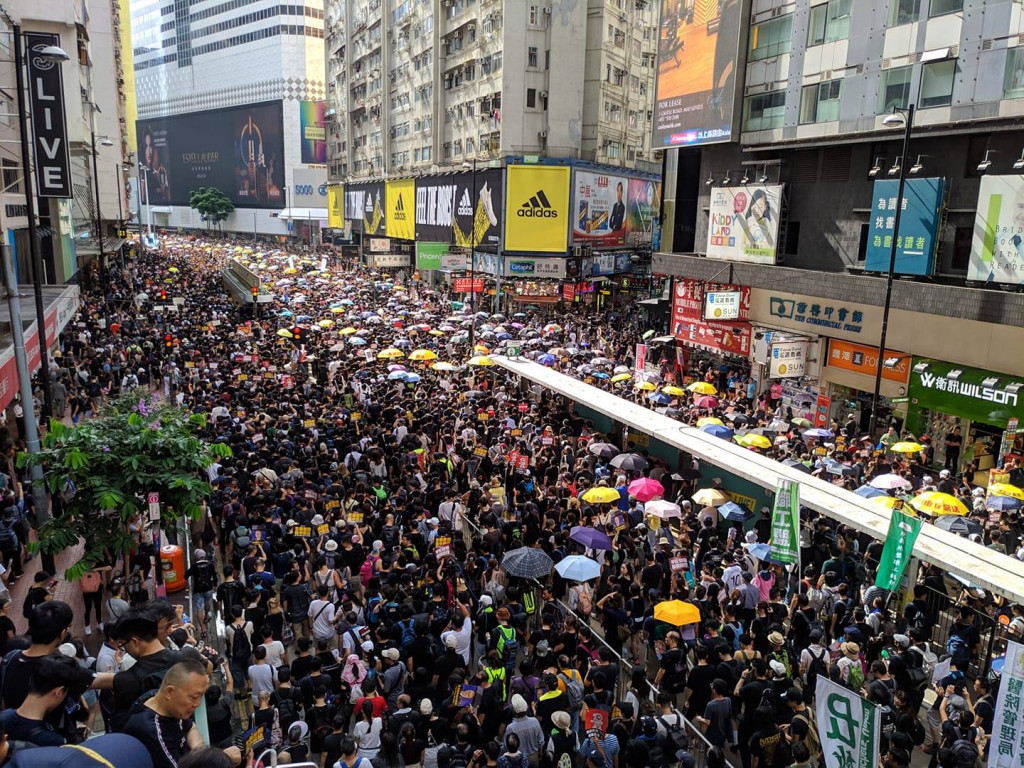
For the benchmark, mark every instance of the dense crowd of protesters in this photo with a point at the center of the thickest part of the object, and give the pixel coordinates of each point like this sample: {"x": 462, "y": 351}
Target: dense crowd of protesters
{"x": 347, "y": 579}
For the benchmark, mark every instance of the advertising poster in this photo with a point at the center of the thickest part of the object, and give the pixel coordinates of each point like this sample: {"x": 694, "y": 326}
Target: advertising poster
{"x": 863, "y": 359}
{"x": 848, "y": 726}
{"x": 919, "y": 221}
{"x": 478, "y": 206}
{"x": 537, "y": 208}
{"x": 688, "y": 325}
{"x": 401, "y": 213}
{"x": 642, "y": 210}
{"x": 336, "y": 206}
{"x": 435, "y": 208}
{"x": 313, "y": 131}
{"x": 698, "y": 59}
{"x": 997, "y": 248}
{"x": 599, "y": 208}
{"x": 787, "y": 360}
{"x": 238, "y": 150}
{"x": 309, "y": 188}
{"x": 49, "y": 125}
{"x": 1008, "y": 724}
{"x": 744, "y": 223}
{"x": 430, "y": 255}
{"x": 364, "y": 207}
{"x": 969, "y": 393}
{"x": 786, "y": 523}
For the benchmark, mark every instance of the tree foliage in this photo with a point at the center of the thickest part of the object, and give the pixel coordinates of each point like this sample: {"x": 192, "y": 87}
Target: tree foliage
{"x": 212, "y": 205}
{"x": 103, "y": 468}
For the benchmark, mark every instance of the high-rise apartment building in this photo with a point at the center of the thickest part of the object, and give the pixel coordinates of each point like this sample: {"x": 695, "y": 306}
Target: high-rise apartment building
{"x": 414, "y": 85}
{"x": 231, "y": 95}
{"x": 798, "y": 207}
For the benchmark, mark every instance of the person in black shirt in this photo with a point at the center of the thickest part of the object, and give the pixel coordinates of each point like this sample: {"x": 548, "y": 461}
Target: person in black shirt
{"x": 138, "y": 634}
{"x": 335, "y": 740}
{"x": 698, "y": 684}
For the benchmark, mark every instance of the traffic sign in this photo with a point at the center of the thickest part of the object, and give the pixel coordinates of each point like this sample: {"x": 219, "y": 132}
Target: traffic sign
{"x": 154, "y": 506}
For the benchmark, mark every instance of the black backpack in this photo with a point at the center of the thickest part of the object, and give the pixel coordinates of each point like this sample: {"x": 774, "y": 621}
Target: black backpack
{"x": 241, "y": 645}
{"x": 287, "y": 709}
{"x": 298, "y": 605}
{"x": 818, "y": 666}
{"x": 203, "y": 577}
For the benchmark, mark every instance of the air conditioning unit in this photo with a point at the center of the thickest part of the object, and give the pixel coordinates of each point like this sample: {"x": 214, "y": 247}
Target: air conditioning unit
{"x": 547, "y": 10}
{"x": 543, "y": 94}
{"x": 542, "y": 134}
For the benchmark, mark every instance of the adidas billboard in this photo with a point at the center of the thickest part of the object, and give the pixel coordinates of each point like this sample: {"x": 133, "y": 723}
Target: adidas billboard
{"x": 400, "y": 215}
{"x": 537, "y": 207}
{"x": 365, "y": 206}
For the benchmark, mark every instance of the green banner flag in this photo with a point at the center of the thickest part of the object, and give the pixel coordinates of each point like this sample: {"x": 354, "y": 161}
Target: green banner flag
{"x": 847, "y": 726}
{"x": 899, "y": 545}
{"x": 786, "y": 523}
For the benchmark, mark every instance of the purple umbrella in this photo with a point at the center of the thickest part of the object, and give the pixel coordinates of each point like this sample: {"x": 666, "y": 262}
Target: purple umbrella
{"x": 590, "y": 537}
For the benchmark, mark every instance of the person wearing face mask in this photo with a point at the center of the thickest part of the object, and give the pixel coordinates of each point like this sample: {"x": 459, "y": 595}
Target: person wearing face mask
{"x": 48, "y": 627}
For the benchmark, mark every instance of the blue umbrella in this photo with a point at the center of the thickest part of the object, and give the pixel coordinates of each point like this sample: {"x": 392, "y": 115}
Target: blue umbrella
{"x": 413, "y": 378}
{"x": 760, "y": 551}
{"x": 717, "y": 430}
{"x": 590, "y": 537}
{"x": 867, "y": 492}
{"x": 357, "y": 341}
{"x": 401, "y": 343}
{"x": 660, "y": 398}
{"x": 818, "y": 433}
{"x": 286, "y": 313}
{"x": 395, "y": 375}
{"x": 601, "y": 375}
{"x": 1002, "y": 503}
{"x": 547, "y": 359}
{"x": 734, "y": 512}
{"x": 578, "y": 568}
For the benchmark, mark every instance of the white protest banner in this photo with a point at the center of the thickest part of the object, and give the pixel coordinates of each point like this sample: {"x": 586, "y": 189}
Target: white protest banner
{"x": 847, "y": 726}
{"x": 1007, "y": 745}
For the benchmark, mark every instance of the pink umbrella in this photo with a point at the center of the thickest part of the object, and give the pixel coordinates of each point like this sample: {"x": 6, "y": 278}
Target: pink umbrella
{"x": 706, "y": 401}
{"x": 645, "y": 489}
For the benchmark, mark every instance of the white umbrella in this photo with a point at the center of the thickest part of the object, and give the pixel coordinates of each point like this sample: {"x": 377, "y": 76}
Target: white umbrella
{"x": 889, "y": 482}
{"x": 663, "y": 509}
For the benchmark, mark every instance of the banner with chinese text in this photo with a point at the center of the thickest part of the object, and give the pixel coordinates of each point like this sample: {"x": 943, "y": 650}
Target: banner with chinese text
{"x": 847, "y": 726}
{"x": 899, "y": 546}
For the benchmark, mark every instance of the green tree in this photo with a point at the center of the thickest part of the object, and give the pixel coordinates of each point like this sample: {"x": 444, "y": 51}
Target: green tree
{"x": 212, "y": 205}
{"x": 103, "y": 468}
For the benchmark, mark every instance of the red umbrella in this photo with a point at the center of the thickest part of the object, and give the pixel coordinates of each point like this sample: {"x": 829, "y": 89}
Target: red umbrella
{"x": 645, "y": 489}
{"x": 706, "y": 401}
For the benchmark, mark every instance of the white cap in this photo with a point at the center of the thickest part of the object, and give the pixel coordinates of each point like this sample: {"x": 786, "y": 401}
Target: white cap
{"x": 68, "y": 649}
{"x": 518, "y": 704}
{"x": 367, "y": 646}
{"x": 391, "y": 653}
{"x": 944, "y": 473}
{"x": 777, "y": 667}
{"x": 485, "y": 600}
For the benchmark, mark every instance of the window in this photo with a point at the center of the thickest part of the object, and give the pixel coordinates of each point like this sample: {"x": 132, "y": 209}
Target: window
{"x": 770, "y": 38}
{"x": 11, "y": 176}
{"x": 531, "y": 56}
{"x": 534, "y": 15}
{"x": 764, "y": 111}
{"x": 547, "y": 59}
{"x": 895, "y": 91}
{"x": 829, "y": 22}
{"x": 1013, "y": 81}
{"x": 820, "y": 103}
{"x": 937, "y": 84}
{"x": 531, "y": 98}
{"x": 903, "y": 11}
{"x": 942, "y": 7}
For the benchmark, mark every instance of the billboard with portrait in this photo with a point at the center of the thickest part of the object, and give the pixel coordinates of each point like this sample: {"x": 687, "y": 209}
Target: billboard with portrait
{"x": 744, "y": 223}
{"x": 699, "y": 65}
{"x": 313, "y": 132}
{"x": 919, "y": 223}
{"x": 642, "y": 210}
{"x": 997, "y": 248}
{"x": 238, "y": 150}
{"x": 599, "y": 208}
{"x": 365, "y": 207}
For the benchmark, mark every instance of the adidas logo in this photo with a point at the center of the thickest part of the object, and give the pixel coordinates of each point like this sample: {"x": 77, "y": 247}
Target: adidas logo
{"x": 465, "y": 204}
{"x": 400, "y": 209}
{"x": 537, "y": 207}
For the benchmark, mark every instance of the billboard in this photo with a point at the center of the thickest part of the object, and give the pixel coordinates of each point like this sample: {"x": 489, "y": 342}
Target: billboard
{"x": 744, "y": 223}
{"x": 919, "y": 221}
{"x": 309, "y": 188}
{"x": 642, "y": 210}
{"x": 599, "y": 208}
{"x": 313, "y": 132}
{"x": 997, "y": 255}
{"x": 435, "y": 209}
{"x": 364, "y": 207}
{"x": 698, "y": 59}
{"x": 788, "y": 360}
{"x": 688, "y": 323}
{"x": 49, "y": 126}
{"x": 537, "y": 208}
{"x": 401, "y": 214}
{"x": 336, "y": 207}
{"x": 430, "y": 255}
{"x": 478, "y": 222}
{"x": 238, "y": 150}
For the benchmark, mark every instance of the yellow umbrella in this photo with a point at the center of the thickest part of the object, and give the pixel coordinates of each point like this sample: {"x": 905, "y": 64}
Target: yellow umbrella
{"x": 645, "y": 386}
{"x": 885, "y": 502}
{"x": 1005, "y": 489}
{"x": 601, "y": 495}
{"x": 702, "y": 388}
{"x": 436, "y": 332}
{"x": 482, "y": 360}
{"x": 291, "y": 271}
{"x": 337, "y": 310}
{"x": 390, "y": 353}
{"x": 907, "y": 447}
{"x": 423, "y": 354}
{"x": 325, "y": 323}
{"x": 936, "y": 503}
{"x": 621, "y": 377}
{"x": 710, "y": 497}
{"x": 709, "y": 420}
{"x": 443, "y": 367}
{"x": 285, "y": 333}
{"x": 347, "y": 331}
{"x": 172, "y": 269}
{"x": 754, "y": 441}
{"x": 480, "y": 349}
{"x": 677, "y": 613}
{"x": 674, "y": 391}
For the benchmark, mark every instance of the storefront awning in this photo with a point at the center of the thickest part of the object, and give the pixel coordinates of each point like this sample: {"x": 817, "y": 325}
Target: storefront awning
{"x": 164, "y": 209}
{"x": 303, "y": 214}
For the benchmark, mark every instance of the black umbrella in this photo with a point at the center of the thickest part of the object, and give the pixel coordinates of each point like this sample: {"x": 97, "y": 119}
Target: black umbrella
{"x": 631, "y": 462}
{"x": 603, "y": 450}
{"x": 797, "y": 465}
{"x": 687, "y": 473}
{"x": 736, "y": 418}
{"x": 964, "y": 526}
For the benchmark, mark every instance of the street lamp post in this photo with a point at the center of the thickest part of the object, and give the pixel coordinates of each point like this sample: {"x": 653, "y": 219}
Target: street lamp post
{"x": 906, "y": 119}
{"x": 106, "y": 142}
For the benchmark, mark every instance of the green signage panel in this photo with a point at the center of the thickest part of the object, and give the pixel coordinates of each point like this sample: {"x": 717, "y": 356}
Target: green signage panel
{"x": 970, "y": 393}
{"x": 428, "y": 255}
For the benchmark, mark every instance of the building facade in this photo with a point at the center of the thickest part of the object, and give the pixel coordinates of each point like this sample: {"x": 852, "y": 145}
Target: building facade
{"x": 818, "y": 144}
{"x": 231, "y": 95}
